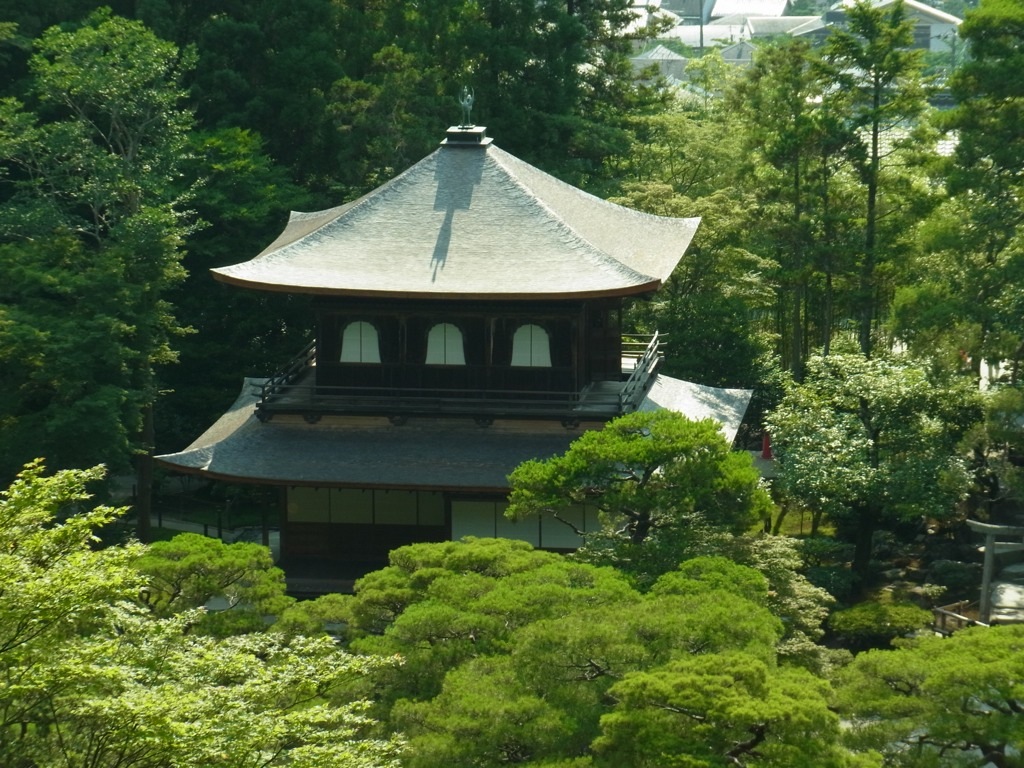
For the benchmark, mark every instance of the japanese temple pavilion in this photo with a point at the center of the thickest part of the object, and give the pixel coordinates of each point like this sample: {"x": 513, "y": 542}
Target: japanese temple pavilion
{"x": 467, "y": 319}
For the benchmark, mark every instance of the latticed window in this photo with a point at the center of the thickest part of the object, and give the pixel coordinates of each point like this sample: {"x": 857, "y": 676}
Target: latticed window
{"x": 444, "y": 345}
{"x": 360, "y": 343}
{"x": 531, "y": 347}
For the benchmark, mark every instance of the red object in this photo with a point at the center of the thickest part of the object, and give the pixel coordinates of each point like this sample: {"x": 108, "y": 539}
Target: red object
{"x": 766, "y": 447}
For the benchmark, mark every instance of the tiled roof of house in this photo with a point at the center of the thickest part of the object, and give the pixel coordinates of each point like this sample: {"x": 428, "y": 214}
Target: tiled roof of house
{"x": 714, "y": 35}
{"x": 749, "y": 7}
{"x": 470, "y": 221}
{"x": 913, "y": 7}
{"x": 765, "y": 26}
{"x": 660, "y": 53}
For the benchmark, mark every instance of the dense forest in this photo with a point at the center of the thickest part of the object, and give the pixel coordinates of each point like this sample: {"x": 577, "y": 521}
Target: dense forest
{"x": 859, "y": 266}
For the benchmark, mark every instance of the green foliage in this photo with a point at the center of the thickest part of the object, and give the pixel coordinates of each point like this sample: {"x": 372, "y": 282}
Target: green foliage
{"x": 516, "y": 655}
{"x": 683, "y": 162}
{"x": 244, "y": 199}
{"x": 872, "y": 443}
{"x": 876, "y": 623}
{"x": 62, "y": 343}
{"x": 801, "y": 605}
{"x": 266, "y": 67}
{"x": 92, "y": 678}
{"x": 998, "y": 445}
{"x": 990, "y": 149}
{"x": 330, "y": 613}
{"x": 384, "y": 594}
{"x": 92, "y": 225}
{"x": 705, "y": 308}
{"x": 966, "y": 309}
{"x": 960, "y": 580}
{"x": 969, "y": 305}
{"x": 798, "y": 144}
{"x": 872, "y": 62}
{"x": 718, "y": 710}
{"x": 713, "y": 573}
{"x": 826, "y": 561}
{"x": 441, "y": 604}
{"x": 238, "y": 582}
{"x": 662, "y": 484}
{"x": 366, "y": 88}
{"x": 939, "y": 701}
{"x": 485, "y": 717}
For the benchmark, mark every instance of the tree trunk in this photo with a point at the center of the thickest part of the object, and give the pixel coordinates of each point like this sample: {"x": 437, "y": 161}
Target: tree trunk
{"x": 867, "y": 277}
{"x": 144, "y": 477}
{"x": 777, "y": 524}
{"x": 863, "y": 543}
{"x": 797, "y": 332}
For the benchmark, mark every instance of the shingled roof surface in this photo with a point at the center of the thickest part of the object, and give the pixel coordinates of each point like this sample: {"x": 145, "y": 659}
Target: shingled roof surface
{"x": 470, "y": 222}
{"x": 440, "y": 454}
{"x": 365, "y": 452}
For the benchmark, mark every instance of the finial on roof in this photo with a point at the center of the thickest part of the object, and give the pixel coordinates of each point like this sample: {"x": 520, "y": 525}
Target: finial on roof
{"x": 466, "y": 100}
{"x": 466, "y": 134}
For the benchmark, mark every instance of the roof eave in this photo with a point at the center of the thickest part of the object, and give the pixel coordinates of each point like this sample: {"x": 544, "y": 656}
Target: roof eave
{"x": 638, "y": 289}
{"x": 168, "y": 463}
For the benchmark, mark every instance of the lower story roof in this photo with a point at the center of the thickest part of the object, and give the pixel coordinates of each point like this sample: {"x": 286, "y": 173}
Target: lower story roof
{"x": 427, "y": 453}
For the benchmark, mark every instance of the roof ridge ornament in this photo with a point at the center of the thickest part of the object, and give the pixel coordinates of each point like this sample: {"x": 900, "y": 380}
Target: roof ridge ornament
{"x": 466, "y": 134}
{"x": 466, "y": 100}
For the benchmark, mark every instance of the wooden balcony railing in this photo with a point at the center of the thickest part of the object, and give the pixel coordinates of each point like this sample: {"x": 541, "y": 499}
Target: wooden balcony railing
{"x": 295, "y": 390}
{"x": 644, "y": 366}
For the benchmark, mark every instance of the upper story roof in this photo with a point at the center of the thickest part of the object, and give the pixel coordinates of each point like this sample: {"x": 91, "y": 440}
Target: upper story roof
{"x": 470, "y": 221}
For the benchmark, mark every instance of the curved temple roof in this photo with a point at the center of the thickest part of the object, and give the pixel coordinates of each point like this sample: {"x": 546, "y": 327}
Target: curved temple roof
{"x": 470, "y": 221}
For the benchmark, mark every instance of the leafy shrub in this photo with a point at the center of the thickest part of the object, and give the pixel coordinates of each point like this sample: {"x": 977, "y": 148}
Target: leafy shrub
{"x": 960, "y": 579}
{"x": 824, "y": 550}
{"x": 876, "y": 624}
{"x": 836, "y": 580}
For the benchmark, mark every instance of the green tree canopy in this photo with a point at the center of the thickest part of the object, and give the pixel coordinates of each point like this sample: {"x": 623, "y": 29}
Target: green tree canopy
{"x": 720, "y": 710}
{"x": 872, "y": 443}
{"x": 940, "y": 701}
{"x": 243, "y": 200}
{"x": 873, "y": 62}
{"x": 515, "y": 655}
{"x": 191, "y": 570}
{"x": 969, "y": 305}
{"x": 798, "y": 141}
{"x": 661, "y": 483}
{"x": 92, "y": 225}
{"x": 90, "y": 677}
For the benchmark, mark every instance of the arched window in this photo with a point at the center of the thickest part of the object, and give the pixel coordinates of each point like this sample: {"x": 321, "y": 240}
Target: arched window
{"x": 360, "y": 343}
{"x": 444, "y": 345}
{"x": 531, "y": 347}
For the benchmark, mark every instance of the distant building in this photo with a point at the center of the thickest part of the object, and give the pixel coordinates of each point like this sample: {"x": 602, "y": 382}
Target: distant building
{"x": 669, "y": 63}
{"x": 749, "y": 8}
{"x": 741, "y": 54}
{"x": 724, "y": 24}
{"x": 934, "y": 30}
